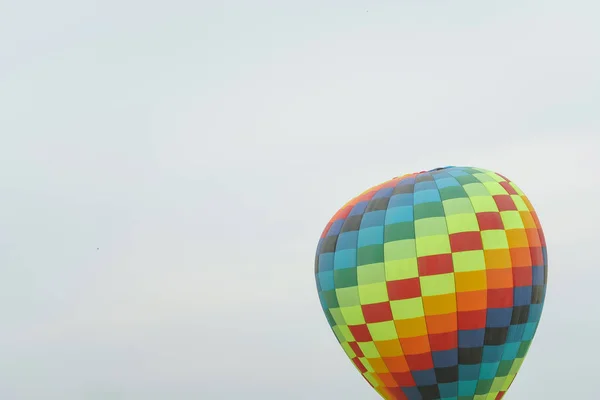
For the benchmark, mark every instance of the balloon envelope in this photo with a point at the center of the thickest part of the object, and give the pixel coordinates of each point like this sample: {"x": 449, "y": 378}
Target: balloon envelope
{"x": 434, "y": 283}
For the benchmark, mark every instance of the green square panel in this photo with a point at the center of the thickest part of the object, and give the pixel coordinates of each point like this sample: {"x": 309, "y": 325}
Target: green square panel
{"x": 452, "y": 192}
{"x": 472, "y": 170}
{"x": 330, "y": 319}
{"x": 507, "y": 382}
{"x": 368, "y": 348}
{"x": 401, "y": 269}
{"x": 494, "y": 175}
{"x": 481, "y": 177}
{"x": 407, "y": 308}
{"x": 484, "y": 204}
{"x": 476, "y": 189}
{"x": 343, "y": 333}
{"x": 484, "y": 386}
{"x": 345, "y": 277}
{"x": 381, "y": 331}
{"x": 433, "y": 245}
{"x": 497, "y": 385}
{"x": 338, "y": 317}
{"x": 504, "y": 367}
{"x": 431, "y": 226}
{"x": 458, "y": 206}
{"x": 399, "y": 231}
{"x": 370, "y": 254}
{"x": 523, "y": 349}
{"x": 494, "y": 239}
{"x": 399, "y": 250}
{"x": 373, "y": 293}
{"x": 466, "y": 179}
{"x": 467, "y": 261}
{"x": 462, "y": 223}
{"x": 494, "y": 188}
{"x": 371, "y": 273}
{"x": 519, "y": 203}
{"x": 348, "y": 297}
{"x": 330, "y": 298}
{"x": 353, "y": 315}
{"x": 429, "y": 210}
{"x": 435, "y": 285}
{"x": 516, "y": 366}
{"x": 512, "y": 220}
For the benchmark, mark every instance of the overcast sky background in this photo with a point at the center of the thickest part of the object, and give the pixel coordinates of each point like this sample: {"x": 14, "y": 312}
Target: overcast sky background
{"x": 167, "y": 168}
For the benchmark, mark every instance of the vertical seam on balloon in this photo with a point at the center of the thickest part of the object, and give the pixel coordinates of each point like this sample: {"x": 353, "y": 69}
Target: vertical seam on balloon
{"x": 487, "y": 288}
{"x": 357, "y": 241}
{"x": 455, "y": 293}
{"x": 385, "y": 275}
{"x": 375, "y": 189}
{"x": 337, "y": 242}
{"x": 488, "y": 173}
{"x": 318, "y": 269}
{"x": 514, "y": 295}
{"x": 414, "y": 176}
{"x": 462, "y": 169}
{"x": 357, "y": 284}
{"x": 454, "y": 276}
{"x": 537, "y": 224}
{"x": 419, "y": 274}
{"x": 334, "y": 289}
{"x": 539, "y": 233}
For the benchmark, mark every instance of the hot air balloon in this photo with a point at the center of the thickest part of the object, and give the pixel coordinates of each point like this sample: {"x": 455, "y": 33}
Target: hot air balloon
{"x": 434, "y": 283}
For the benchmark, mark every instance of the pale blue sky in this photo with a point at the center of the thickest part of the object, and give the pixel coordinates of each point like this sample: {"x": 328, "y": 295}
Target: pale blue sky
{"x": 202, "y": 147}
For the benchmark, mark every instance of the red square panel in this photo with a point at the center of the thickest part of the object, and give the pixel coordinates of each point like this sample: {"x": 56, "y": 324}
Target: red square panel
{"x": 356, "y": 348}
{"x": 500, "y": 298}
{"x": 436, "y": 265}
{"x": 522, "y": 276}
{"x": 505, "y": 203}
{"x": 378, "y": 312}
{"x": 443, "y": 341}
{"x": 489, "y": 221}
{"x": 537, "y": 256}
{"x": 359, "y": 365}
{"x": 361, "y": 333}
{"x": 509, "y": 189}
{"x": 468, "y": 320}
{"x": 466, "y": 241}
{"x": 419, "y": 362}
{"x": 404, "y": 289}
{"x": 404, "y": 378}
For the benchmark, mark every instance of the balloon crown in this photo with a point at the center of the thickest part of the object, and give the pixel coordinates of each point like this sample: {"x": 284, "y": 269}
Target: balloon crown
{"x": 440, "y": 168}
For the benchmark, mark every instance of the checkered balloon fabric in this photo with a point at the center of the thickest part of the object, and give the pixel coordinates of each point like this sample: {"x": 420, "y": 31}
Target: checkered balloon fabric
{"x": 434, "y": 283}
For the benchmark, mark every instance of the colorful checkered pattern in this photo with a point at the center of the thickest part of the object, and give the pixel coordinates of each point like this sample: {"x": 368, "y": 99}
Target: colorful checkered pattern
{"x": 434, "y": 283}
